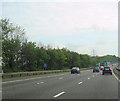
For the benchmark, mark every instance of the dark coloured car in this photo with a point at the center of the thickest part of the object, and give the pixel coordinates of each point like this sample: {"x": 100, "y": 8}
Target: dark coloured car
{"x": 107, "y": 70}
{"x": 75, "y": 70}
{"x": 96, "y": 69}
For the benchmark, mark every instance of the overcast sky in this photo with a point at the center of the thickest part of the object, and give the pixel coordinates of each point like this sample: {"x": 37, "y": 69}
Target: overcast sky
{"x": 78, "y": 26}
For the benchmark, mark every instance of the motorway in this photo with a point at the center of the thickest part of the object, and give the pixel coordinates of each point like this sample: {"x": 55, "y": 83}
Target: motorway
{"x": 86, "y": 85}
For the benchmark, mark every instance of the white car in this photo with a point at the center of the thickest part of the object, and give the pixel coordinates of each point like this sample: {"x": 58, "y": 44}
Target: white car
{"x": 101, "y": 67}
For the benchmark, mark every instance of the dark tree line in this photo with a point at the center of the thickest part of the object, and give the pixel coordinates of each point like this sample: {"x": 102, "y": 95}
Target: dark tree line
{"x": 19, "y": 55}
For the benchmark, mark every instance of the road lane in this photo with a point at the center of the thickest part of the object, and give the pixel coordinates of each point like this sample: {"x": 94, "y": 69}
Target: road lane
{"x": 74, "y": 86}
{"x": 99, "y": 87}
{"x": 51, "y": 86}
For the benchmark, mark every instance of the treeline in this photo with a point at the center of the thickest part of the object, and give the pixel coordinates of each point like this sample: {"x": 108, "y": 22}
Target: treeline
{"x": 19, "y": 55}
{"x": 109, "y": 58}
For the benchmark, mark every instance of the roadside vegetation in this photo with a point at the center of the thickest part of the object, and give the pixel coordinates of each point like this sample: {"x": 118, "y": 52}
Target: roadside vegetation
{"x": 20, "y": 55}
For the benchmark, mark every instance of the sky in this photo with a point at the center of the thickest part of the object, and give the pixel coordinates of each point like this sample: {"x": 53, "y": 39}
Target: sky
{"x": 80, "y": 26}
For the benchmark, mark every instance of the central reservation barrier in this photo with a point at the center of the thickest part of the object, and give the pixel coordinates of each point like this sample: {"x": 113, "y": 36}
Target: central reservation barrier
{"x": 33, "y": 73}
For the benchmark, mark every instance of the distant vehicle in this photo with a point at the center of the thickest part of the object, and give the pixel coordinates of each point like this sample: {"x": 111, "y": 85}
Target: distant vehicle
{"x": 107, "y": 70}
{"x": 96, "y": 69}
{"x": 101, "y": 67}
{"x": 75, "y": 70}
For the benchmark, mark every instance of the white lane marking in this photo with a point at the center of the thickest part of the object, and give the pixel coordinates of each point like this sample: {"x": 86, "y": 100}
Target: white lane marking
{"x": 21, "y": 80}
{"x": 60, "y": 78}
{"x": 56, "y": 75}
{"x": 88, "y": 78}
{"x": 93, "y": 76}
{"x": 85, "y": 70}
{"x": 40, "y": 82}
{"x": 12, "y": 81}
{"x": 116, "y": 77}
{"x": 29, "y": 79}
{"x": 58, "y": 94}
{"x": 80, "y": 83}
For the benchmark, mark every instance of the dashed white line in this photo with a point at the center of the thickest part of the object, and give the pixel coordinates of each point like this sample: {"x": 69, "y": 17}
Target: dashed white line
{"x": 41, "y": 82}
{"x": 58, "y": 94}
{"x": 80, "y": 83}
{"x": 88, "y": 78}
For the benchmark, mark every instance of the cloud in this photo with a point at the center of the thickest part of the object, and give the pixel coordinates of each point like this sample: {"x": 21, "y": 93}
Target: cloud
{"x": 100, "y": 49}
{"x": 0, "y": 10}
{"x": 57, "y": 45}
{"x": 55, "y": 18}
{"x": 80, "y": 27}
{"x": 60, "y": 1}
{"x": 63, "y": 18}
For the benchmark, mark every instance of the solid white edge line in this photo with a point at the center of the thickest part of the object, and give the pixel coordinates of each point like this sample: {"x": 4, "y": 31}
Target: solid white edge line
{"x": 58, "y": 94}
{"x": 29, "y": 79}
{"x": 21, "y": 80}
{"x": 116, "y": 76}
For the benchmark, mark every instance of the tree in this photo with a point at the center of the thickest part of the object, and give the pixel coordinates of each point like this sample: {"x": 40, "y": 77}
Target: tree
{"x": 28, "y": 56}
{"x": 85, "y": 61}
{"x": 12, "y": 38}
{"x": 53, "y": 60}
{"x": 42, "y": 57}
{"x": 61, "y": 59}
{"x": 76, "y": 59}
{"x": 18, "y": 54}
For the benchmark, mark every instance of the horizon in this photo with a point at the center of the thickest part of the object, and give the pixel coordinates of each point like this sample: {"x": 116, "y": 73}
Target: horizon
{"x": 81, "y": 27}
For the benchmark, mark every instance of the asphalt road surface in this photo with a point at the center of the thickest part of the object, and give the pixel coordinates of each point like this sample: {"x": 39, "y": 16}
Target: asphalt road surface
{"x": 86, "y": 85}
